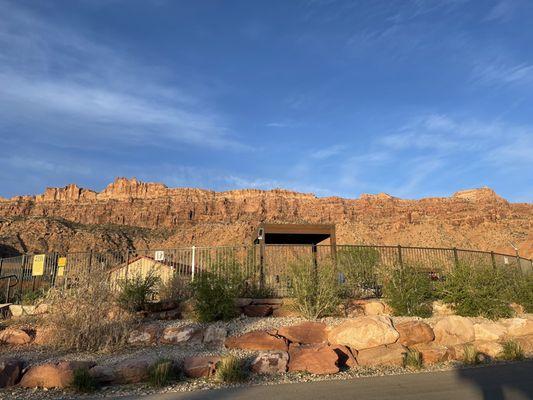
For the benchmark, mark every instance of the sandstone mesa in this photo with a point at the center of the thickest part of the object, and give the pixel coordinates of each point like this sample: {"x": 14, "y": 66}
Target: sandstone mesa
{"x": 129, "y": 213}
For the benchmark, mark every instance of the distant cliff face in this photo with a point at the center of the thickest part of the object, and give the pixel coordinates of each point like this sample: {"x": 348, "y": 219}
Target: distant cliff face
{"x": 134, "y": 214}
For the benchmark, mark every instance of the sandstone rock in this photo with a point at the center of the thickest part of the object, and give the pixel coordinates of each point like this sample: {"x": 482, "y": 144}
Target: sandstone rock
{"x": 14, "y": 336}
{"x": 145, "y": 335}
{"x": 488, "y": 348}
{"x": 242, "y": 301}
{"x": 132, "y": 370}
{"x": 271, "y": 362}
{"x": 526, "y": 343}
{"x": 518, "y": 326}
{"x": 52, "y": 375}
{"x": 518, "y": 309}
{"x": 181, "y": 334}
{"x": 207, "y": 217}
{"x": 316, "y": 359}
{"x": 166, "y": 315}
{"x": 391, "y": 354}
{"x": 259, "y": 310}
{"x": 489, "y": 331}
{"x": 453, "y": 330}
{"x": 285, "y": 311}
{"x": 270, "y": 302}
{"x": 256, "y": 340}
{"x": 374, "y": 308}
{"x": 215, "y": 335}
{"x": 17, "y": 310}
{"x": 10, "y": 371}
{"x": 441, "y": 309}
{"x": 364, "y": 332}
{"x": 413, "y": 332}
{"x": 432, "y": 353}
{"x": 197, "y": 367}
{"x": 305, "y": 333}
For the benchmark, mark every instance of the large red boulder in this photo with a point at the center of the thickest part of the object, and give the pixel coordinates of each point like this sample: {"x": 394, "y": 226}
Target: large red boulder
{"x": 53, "y": 375}
{"x": 14, "y": 336}
{"x": 198, "y": 367}
{"x": 132, "y": 370}
{"x": 270, "y": 362}
{"x": 257, "y": 340}
{"x": 433, "y": 353}
{"x": 413, "y": 332}
{"x": 316, "y": 359}
{"x": 364, "y": 332}
{"x": 305, "y": 333}
{"x": 145, "y": 335}
{"x": 391, "y": 354}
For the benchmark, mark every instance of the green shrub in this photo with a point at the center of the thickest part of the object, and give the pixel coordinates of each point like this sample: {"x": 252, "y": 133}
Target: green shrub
{"x": 255, "y": 291}
{"x": 511, "y": 351}
{"x": 316, "y": 289}
{"x": 135, "y": 291}
{"x": 83, "y": 381}
{"x": 359, "y": 266}
{"x": 231, "y": 370}
{"x": 32, "y": 297}
{"x": 172, "y": 289}
{"x": 214, "y": 297}
{"x": 477, "y": 291}
{"x": 412, "y": 359}
{"x": 470, "y": 355}
{"x": 409, "y": 291}
{"x": 521, "y": 290}
{"x": 162, "y": 373}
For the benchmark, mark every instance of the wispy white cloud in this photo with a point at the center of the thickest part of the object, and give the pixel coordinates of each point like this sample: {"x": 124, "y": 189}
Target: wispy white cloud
{"x": 327, "y": 152}
{"x": 502, "y": 11}
{"x": 500, "y": 72}
{"x": 69, "y": 85}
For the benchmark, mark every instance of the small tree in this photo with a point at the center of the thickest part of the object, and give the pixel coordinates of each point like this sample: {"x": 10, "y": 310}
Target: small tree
{"x": 477, "y": 290}
{"x": 316, "y": 289}
{"x": 137, "y": 290}
{"x": 409, "y": 291}
{"x": 214, "y": 297}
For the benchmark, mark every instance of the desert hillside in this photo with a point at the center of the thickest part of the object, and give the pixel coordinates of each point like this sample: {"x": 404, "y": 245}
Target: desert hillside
{"x": 134, "y": 214}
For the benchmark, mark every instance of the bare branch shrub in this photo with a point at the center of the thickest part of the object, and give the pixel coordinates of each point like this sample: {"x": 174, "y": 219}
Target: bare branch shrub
{"x": 84, "y": 316}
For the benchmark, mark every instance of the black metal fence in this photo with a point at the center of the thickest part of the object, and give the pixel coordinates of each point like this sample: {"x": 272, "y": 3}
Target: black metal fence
{"x": 263, "y": 266}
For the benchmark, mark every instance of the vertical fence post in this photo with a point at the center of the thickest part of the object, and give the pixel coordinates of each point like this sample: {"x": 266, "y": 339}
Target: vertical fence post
{"x": 400, "y": 259}
{"x": 193, "y": 262}
{"x": 127, "y": 263}
{"x": 261, "y": 264}
{"x": 22, "y": 267}
{"x": 455, "y": 257}
{"x": 493, "y": 259}
{"x": 518, "y": 263}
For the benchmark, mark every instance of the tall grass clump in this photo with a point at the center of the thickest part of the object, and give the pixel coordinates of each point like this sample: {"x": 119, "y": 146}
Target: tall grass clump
{"x": 412, "y": 359}
{"x": 231, "y": 370}
{"x": 359, "y": 266}
{"x": 511, "y": 351}
{"x": 470, "y": 355}
{"x": 162, "y": 373}
{"x": 135, "y": 291}
{"x": 316, "y": 288}
{"x": 83, "y": 315}
{"x": 409, "y": 291}
{"x": 477, "y": 290}
{"x": 83, "y": 381}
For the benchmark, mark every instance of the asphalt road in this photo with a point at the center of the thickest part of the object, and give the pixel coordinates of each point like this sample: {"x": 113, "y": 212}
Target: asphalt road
{"x": 509, "y": 382}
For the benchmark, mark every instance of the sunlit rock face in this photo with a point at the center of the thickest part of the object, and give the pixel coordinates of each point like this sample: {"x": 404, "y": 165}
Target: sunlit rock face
{"x": 135, "y": 214}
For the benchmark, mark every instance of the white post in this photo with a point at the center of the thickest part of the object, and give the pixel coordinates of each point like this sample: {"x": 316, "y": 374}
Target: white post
{"x": 193, "y": 259}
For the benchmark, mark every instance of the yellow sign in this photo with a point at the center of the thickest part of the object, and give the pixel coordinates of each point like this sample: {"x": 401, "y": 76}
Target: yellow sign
{"x": 60, "y": 271}
{"x": 38, "y": 265}
{"x": 62, "y": 262}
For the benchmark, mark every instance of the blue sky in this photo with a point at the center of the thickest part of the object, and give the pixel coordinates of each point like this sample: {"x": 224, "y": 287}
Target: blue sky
{"x": 412, "y": 98}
